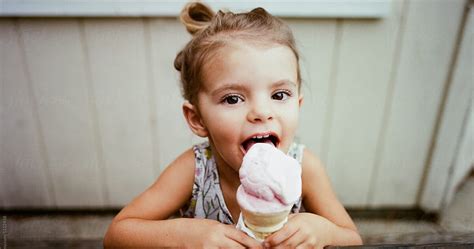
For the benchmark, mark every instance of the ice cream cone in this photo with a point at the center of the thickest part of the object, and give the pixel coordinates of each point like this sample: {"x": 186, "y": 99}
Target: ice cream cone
{"x": 264, "y": 224}
{"x": 270, "y": 186}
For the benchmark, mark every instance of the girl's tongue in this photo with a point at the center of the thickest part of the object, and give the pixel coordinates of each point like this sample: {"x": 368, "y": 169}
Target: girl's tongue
{"x": 248, "y": 144}
{"x": 271, "y": 140}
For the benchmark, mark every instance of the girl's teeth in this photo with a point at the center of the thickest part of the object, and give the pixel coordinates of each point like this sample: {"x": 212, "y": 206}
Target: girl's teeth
{"x": 260, "y": 137}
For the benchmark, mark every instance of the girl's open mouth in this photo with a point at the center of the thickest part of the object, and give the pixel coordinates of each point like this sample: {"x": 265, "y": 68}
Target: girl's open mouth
{"x": 269, "y": 138}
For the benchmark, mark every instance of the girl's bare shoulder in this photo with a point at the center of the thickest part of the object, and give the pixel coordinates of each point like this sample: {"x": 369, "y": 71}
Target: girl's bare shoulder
{"x": 316, "y": 183}
{"x": 311, "y": 162}
{"x": 182, "y": 169}
{"x": 318, "y": 194}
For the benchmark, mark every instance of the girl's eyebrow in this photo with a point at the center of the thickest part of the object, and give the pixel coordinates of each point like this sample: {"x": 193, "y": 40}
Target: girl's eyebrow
{"x": 227, "y": 87}
{"x": 242, "y": 87}
{"x": 284, "y": 82}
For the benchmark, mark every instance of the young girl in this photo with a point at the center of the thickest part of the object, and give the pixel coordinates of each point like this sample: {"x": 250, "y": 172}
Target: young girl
{"x": 241, "y": 81}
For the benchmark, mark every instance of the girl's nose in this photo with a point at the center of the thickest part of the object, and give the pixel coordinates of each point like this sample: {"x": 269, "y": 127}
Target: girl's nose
{"x": 260, "y": 112}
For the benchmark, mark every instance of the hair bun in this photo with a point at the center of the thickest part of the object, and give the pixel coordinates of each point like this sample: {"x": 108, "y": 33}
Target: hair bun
{"x": 196, "y": 16}
{"x": 178, "y": 61}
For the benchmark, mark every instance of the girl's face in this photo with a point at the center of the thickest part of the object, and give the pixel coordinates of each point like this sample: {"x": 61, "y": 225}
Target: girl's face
{"x": 250, "y": 94}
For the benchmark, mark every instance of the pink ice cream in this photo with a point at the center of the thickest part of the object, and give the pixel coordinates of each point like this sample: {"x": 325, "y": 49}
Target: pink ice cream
{"x": 270, "y": 180}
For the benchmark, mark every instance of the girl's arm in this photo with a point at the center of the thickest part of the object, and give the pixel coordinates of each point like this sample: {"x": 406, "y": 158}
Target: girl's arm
{"x": 326, "y": 221}
{"x": 144, "y": 222}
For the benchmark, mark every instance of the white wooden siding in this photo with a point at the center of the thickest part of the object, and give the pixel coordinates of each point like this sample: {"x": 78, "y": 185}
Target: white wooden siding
{"x": 167, "y": 37}
{"x": 122, "y": 102}
{"x": 316, "y": 65}
{"x": 60, "y": 90}
{"x": 427, "y": 46}
{"x": 25, "y": 178}
{"x": 91, "y": 108}
{"x": 453, "y": 149}
{"x": 362, "y": 79}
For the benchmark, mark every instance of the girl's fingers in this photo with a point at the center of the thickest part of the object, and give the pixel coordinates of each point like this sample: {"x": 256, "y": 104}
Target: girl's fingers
{"x": 230, "y": 243}
{"x": 243, "y": 239}
{"x": 295, "y": 240}
{"x": 307, "y": 245}
{"x": 277, "y": 238}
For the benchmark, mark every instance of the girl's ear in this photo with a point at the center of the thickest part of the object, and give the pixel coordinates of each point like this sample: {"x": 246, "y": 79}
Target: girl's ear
{"x": 194, "y": 120}
{"x": 300, "y": 100}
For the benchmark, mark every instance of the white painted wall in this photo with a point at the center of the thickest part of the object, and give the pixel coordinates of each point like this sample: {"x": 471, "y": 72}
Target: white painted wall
{"x": 91, "y": 109}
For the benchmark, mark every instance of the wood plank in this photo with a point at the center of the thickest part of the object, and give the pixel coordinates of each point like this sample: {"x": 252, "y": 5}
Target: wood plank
{"x": 463, "y": 163}
{"x": 168, "y": 37}
{"x": 316, "y": 43}
{"x": 448, "y": 167}
{"x": 24, "y": 176}
{"x": 117, "y": 61}
{"x": 151, "y": 97}
{"x": 362, "y": 84}
{"x": 427, "y": 47}
{"x": 55, "y": 61}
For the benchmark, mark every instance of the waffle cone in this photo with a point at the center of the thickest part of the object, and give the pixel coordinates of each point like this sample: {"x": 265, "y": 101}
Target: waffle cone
{"x": 264, "y": 224}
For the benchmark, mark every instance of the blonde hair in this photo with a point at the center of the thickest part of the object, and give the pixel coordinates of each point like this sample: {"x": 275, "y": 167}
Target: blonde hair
{"x": 212, "y": 31}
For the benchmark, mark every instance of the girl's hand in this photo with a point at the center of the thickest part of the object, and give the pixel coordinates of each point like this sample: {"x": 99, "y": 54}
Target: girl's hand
{"x": 217, "y": 235}
{"x": 303, "y": 230}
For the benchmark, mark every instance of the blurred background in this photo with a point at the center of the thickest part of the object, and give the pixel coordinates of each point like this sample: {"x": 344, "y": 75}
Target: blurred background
{"x": 91, "y": 106}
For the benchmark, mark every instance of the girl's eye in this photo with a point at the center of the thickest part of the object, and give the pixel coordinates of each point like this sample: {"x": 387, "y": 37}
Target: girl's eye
{"x": 232, "y": 99}
{"x": 282, "y": 95}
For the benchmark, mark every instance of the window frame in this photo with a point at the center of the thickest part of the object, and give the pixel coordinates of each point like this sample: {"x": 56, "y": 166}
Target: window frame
{"x": 171, "y": 8}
